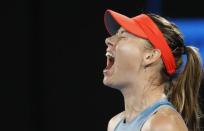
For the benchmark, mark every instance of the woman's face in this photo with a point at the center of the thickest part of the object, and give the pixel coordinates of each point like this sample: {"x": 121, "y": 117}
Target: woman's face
{"x": 124, "y": 59}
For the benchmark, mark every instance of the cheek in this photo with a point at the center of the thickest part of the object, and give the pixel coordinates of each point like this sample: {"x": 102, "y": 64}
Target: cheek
{"x": 128, "y": 56}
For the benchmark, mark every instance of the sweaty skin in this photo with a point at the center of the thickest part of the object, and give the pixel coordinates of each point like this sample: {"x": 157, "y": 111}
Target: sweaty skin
{"x": 136, "y": 73}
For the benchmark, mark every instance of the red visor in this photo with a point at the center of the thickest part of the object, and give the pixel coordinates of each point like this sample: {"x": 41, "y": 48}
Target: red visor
{"x": 143, "y": 27}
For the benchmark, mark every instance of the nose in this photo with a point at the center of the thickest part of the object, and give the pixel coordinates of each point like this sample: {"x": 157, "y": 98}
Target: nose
{"x": 109, "y": 42}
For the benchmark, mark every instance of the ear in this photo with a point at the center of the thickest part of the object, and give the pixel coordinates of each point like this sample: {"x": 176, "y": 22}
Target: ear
{"x": 151, "y": 57}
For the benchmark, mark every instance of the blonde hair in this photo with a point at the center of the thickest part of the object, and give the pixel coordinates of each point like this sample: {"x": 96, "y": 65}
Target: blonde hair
{"x": 184, "y": 90}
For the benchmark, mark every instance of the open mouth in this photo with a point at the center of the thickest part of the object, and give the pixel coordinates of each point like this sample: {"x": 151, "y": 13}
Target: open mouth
{"x": 110, "y": 61}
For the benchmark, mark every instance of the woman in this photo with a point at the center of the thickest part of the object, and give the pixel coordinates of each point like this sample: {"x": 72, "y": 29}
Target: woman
{"x": 144, "y": 62}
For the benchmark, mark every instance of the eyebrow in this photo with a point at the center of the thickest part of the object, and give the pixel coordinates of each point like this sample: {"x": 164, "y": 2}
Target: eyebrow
{"x": 119, "y": 31}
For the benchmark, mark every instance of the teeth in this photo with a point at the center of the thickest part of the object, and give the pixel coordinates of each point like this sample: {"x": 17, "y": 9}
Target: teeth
{"x": 108, "y": 54}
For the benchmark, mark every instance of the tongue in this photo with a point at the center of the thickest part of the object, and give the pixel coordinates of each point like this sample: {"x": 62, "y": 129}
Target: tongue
{"x": 110, "y": 62}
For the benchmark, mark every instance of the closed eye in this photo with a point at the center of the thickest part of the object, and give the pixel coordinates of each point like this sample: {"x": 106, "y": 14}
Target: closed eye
{"x": 121, "y": 38}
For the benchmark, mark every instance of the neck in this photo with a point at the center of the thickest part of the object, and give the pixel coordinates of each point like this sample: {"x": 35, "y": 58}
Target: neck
{"x": 139, "y": 97}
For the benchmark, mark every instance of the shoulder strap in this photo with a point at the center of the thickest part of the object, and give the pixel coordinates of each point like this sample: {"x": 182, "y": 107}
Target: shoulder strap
{"x": 115, "y": 121}
{"x": 151, "y": 110}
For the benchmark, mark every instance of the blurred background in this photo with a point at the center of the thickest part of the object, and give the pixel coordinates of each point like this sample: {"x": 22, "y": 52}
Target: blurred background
{"x": 53, "y": 55}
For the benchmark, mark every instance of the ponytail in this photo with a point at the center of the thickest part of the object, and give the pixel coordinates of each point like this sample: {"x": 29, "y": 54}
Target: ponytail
{"x": 185, "y": 92}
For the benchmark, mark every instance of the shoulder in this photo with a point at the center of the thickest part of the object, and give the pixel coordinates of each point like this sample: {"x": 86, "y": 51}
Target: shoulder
{"x": 114, "y": 121}
{"x": 165, "y": 119}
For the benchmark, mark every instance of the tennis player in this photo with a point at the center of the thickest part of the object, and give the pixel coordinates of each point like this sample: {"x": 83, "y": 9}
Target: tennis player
{"x": 144, "y": 62}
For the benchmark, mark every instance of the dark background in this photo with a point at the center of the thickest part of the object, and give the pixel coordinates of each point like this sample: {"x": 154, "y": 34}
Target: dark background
{"x": 53, "y": 54}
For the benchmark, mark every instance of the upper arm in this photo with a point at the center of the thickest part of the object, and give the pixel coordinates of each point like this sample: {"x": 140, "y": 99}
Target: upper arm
{"x": 168, "y": 124}
{"x": 114, "y": 121}
{"x": 166, "y": 120}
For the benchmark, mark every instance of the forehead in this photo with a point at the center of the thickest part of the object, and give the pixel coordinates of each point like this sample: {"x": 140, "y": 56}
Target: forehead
{"x": 122, "y": 31}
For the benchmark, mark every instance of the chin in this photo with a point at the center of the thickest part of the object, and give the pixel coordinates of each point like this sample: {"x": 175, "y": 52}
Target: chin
{"x": 110, "y": 83}
{"x": 106, "y": 81}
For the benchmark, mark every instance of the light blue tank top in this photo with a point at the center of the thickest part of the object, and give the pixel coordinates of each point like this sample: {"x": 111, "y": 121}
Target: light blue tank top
{"x": 137, "y": 123}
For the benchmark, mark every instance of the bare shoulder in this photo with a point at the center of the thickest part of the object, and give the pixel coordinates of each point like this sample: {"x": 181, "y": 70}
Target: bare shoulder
{"x": 114, "y": 121}
{"x": 165, "y": 119}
